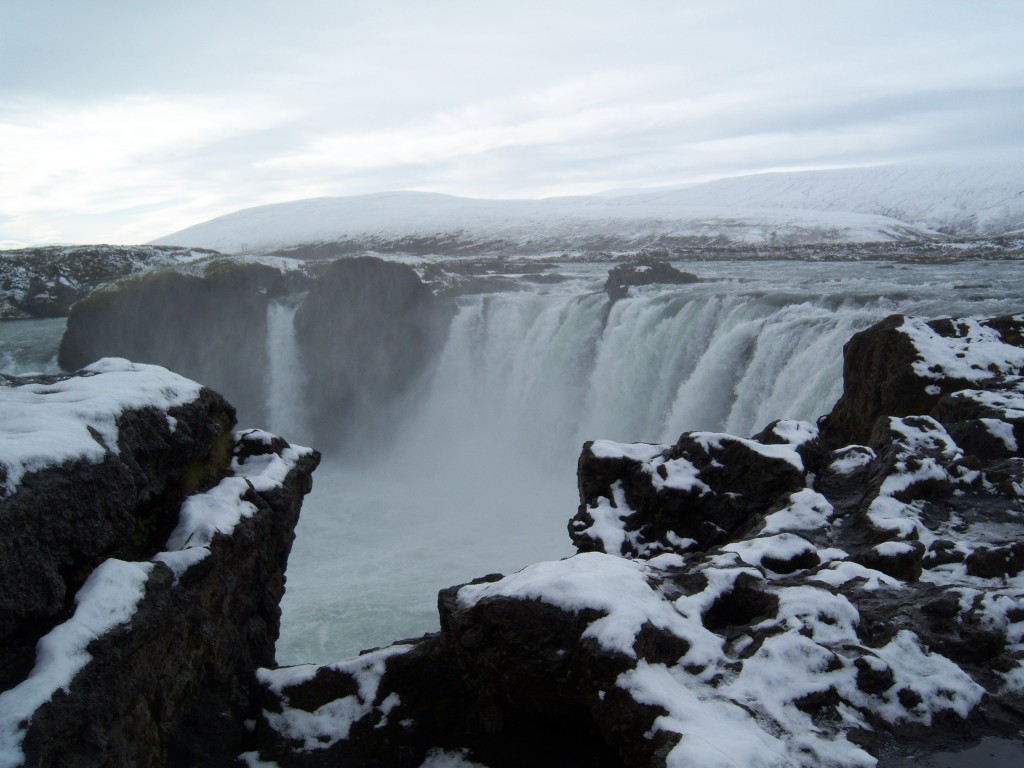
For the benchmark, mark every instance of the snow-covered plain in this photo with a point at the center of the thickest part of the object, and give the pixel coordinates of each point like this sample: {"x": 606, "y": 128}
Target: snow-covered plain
{"x": 848, "y": 206}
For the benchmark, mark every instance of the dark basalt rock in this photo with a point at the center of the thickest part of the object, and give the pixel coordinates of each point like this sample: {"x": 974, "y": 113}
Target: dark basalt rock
{"x": 210, "y": 327}
{"x": 725, "y": 482}
{"x": 991, "y": 563}
{"x": 368, "y": 331}
{"x": 880, "y": 378}
{"x": 457, "y": 690}
{"x": 905, "y": 561}
{"x": 172, "y": 684}
{"x": 644, "y": 271}
{"x": 55, "y": 535}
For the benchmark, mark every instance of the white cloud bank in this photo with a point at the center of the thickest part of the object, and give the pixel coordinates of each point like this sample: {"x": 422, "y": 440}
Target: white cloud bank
{"x": 122, "y": 121}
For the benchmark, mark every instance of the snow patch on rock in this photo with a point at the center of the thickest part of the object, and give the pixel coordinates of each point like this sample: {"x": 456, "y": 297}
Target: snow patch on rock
{"x": 107, "y": 600}
{"x": 46, "y": 424}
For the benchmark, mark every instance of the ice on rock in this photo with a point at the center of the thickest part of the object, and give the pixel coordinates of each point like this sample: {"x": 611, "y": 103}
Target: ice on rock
{"x": 807, "y": 510}
{"x": 607, "y": 449}
{"x": 220, "y": 509}
{"x": 851, "y": 458}
{"x": 715, "y": 440}
{"x": 1002, "y": 431}
{"x": 607, "y": 528}
{"x": 781, "y": 547}
{"x": 678, "y": 474}
{"x": 617, "y": 587}
{"x": 839, "y": 573}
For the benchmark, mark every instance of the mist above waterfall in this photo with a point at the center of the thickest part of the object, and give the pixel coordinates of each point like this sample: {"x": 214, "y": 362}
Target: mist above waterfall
{"x": 480, "y": 475}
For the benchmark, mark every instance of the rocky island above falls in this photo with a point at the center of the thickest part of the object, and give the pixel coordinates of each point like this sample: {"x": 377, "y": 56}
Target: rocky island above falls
{"x": 815, "y": 595}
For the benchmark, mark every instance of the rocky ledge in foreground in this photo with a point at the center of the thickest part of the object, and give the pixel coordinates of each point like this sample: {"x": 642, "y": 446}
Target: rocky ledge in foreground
{"x": 784, "y": 600}
{"x": 142, "y": 561}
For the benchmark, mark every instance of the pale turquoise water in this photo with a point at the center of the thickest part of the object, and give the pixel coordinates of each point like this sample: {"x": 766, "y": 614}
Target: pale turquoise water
{"x": 30, "y": 346}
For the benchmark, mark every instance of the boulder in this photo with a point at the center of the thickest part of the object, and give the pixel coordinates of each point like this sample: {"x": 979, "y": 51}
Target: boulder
{"x": 643, "y": 271}
{"x": 642, "y": 499}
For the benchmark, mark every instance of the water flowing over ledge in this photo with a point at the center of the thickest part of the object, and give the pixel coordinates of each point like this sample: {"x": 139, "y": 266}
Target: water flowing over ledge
{"x": 786, "y": 600}
{"x": 480, "y": 475}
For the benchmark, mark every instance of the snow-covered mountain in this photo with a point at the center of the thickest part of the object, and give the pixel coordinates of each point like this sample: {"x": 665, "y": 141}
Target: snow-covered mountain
{"x": 893, "y": 203}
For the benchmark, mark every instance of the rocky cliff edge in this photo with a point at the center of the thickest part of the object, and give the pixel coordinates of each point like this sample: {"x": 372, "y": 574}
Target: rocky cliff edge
{"x": 142, "y": 561}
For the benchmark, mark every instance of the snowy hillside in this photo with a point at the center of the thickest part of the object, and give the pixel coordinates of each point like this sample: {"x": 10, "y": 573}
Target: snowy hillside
{"x": 954, "y": 200}
{"x": 844, "y": 206}
{"x": 46, "y": 281}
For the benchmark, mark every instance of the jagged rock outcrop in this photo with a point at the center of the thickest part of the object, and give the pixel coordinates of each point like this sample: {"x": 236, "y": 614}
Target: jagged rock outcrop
{"x": 367, "y": 332}
{"x": 774, "y": 601}
{"x": 45, "y": 282}
{"x": 54, "y": 534}
{"x": 644, "y": 271}
{"x": 141, "y": 567}
{"x": 905, "y": 366}
{"x": 701, "y": 491}
{"x": 210, "y": 326}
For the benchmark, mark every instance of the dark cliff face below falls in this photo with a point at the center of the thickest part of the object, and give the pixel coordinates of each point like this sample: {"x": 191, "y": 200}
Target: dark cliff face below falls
{"x": 805, "y": 597}
{"x": 366, "y": 331}
{"x": 142, "y": 565}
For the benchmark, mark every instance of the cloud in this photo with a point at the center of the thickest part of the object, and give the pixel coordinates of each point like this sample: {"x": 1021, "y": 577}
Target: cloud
{"x": 129, "y": 120}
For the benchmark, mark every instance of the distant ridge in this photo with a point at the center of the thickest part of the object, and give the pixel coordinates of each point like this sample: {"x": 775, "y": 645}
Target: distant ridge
{"x": 856, "y": 205}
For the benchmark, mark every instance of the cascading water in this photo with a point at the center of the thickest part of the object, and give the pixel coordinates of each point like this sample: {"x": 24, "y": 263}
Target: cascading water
{"x": 285, "y": 382}
{"x": 482, "y": 478}
{"x": 29, "y": 347}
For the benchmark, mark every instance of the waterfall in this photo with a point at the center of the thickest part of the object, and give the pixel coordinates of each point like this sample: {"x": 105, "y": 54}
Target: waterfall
{"x": 285, "y": 381}
{"x": 542, "y": 374}
{"x": 482, "y": 477}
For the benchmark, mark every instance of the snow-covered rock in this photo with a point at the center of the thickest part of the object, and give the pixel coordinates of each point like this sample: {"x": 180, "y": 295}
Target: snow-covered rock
{"x": 45, "y": 282}
{"x": 969, "y": 371}
{"x": 644, "y": 270}
{"x": 775, "y": 601}
{"x": 141, "y": 566}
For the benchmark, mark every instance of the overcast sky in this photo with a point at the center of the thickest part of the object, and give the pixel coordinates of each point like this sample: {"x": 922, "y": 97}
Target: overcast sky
{"x": 125, "y": 120}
